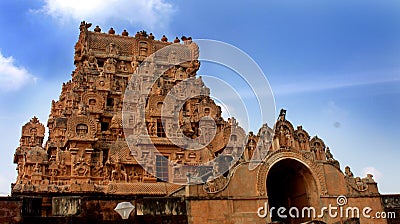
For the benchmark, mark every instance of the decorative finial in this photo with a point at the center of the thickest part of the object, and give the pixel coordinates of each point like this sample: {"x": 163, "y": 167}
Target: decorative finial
{"x": 328, "y": 154}
{"x": 177, "y": 40}
{"x": 97, "y": 29}
{"x": 282, "y": 115}
{"x": 164, "y": 38}
{"x": 143, "y": 33}
{"x": 111, "y": 31}
{"x": 183, "y": 38}
{"x": 84, "y": 26}
{"x": 34, "y": 120}
{"x": 125, "y": 33}
{"x": 189, "y": 40}
{"x": 151, "y": 36}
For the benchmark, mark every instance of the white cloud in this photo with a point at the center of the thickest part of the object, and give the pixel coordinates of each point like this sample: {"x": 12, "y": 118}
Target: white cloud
{"x": 372, "y": 170}
{"x": 148, "y": 13}
{"x": 13, "y": 77}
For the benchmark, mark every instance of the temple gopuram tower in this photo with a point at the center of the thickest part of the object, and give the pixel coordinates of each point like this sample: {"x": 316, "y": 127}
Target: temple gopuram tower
{"x": 137, "y": 124}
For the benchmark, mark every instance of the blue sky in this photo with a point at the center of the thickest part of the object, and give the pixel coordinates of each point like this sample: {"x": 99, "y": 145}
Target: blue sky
{"x": 334, "y": 65}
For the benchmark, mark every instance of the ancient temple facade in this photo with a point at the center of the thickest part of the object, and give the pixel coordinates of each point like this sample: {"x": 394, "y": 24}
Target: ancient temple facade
{"x": 136, "y": 123}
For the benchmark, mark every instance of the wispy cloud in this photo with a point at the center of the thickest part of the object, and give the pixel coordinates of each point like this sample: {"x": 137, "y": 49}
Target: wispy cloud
{"x": 336, "y": 82}
{"x": 372, "y": 170}
{"x": 12, "y": 76}
{"x": 333, "y": 109}
{"x": 147, "y": 13}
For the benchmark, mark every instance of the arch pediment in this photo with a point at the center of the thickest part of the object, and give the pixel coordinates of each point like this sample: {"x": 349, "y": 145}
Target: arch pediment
{"x": 305, "y": 158}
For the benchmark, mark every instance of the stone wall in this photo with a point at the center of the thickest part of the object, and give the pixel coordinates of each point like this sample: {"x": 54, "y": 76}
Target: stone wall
{"x": 10, "y": 210}
{"x": 94, "y": 209}
{"x": 182, "y": 210}
{"x": 222, "y": 210}
{"x": 391, "y": 203}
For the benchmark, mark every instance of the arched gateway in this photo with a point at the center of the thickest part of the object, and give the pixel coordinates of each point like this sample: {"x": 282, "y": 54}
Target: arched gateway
{"x": 291, "y": 185}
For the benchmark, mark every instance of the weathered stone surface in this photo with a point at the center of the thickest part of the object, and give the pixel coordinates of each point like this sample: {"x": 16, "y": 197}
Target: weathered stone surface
{"x": 10, "y": 210}
{"x": 66, "y": 206}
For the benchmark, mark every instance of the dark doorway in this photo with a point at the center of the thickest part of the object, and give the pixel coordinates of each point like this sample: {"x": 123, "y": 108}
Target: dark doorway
{"x": 290, "y": 184}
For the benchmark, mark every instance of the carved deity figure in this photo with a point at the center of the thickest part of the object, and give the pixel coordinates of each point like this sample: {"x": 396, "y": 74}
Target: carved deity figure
{"x": 180, "y": 74}
{"x": 152, "y": 129}
{"x": 134, "y": 64}
{"x": 109, "y": 65}
{"x": 119, "y": 174}
{"x": 302, "y": 142}
{"x": 32, "y": 141}
{"x": 178, "y": 174}
{"x": 288, "y": 138}
{"x": 36, "y": 169}
{"x": 211, "y": 184}
{"x": 112, "y": 49}
{"x": 122, "y": 67}
{"x": 81, "y": 167}
{"x": 369, "y": 178}
{"x": 187, "y": 126}
{"x": 192, "y": 69}
{"x": 214, "y": 185}
{"x": 134, "y": 176}
{"x": 282, "y": 137}
{"x": 97, "y": 169}
{"x": 328, "y": 153}
{"x": 194, "y": 48}
{"x": 21, "y": 172}
{"x": 107, "y": 170}
{"x": 251, "y": 148}
{"x": 360, "y": 185}
{"x": 92, "y": 61}
{"x": 82, "y": 109}
{"x": 348, "y": 172}
{"x": 53, "y": 174}
{"x": 150, "y": 164}
{"x": 62, "y": 167}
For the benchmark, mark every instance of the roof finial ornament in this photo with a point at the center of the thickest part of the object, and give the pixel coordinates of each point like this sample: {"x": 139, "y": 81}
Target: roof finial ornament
{"x": 111, "y": 31}
{"x": 151, "y": 36}
{"x": 125, "y": 33}
{"x": 97, "y": 29}
{"x": 143, "y": 33}
{"x": 164, "y": 38}
{"x": 282, "y": 115}
{"x": 177, "y": 40}
{"x": 35, "y": 120}
{"x": 84, "y": 26}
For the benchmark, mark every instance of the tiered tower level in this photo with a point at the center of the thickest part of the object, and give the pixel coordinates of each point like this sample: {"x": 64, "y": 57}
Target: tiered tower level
{"x": 87, "y": 151}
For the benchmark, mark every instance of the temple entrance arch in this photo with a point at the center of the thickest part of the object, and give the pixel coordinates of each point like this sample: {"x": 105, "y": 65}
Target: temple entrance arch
{"x": 290, "y": 184}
